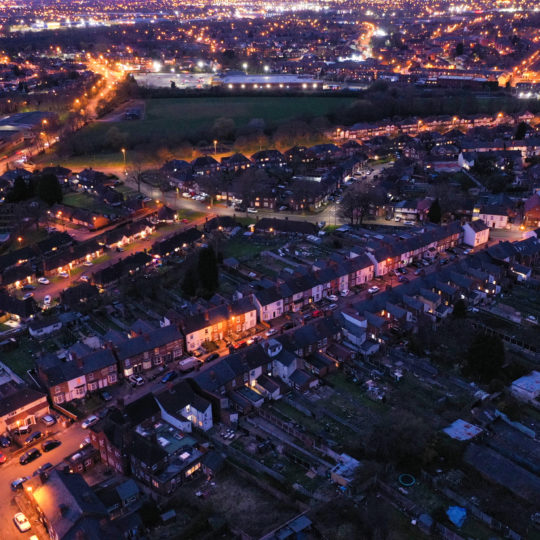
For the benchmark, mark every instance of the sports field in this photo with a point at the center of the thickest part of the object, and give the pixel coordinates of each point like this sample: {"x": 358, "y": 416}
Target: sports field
{"x": 178, "y": 119}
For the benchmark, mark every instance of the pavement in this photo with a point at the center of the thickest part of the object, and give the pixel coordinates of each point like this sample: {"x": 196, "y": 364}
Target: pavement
{"x": 71, "y": 438}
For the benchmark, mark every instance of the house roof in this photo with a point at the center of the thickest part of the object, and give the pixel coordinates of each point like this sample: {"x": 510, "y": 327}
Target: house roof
{"x": 14, "y": 396}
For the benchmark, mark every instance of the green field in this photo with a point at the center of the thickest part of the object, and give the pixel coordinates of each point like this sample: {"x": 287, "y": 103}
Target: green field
{"x": 176, "y": 119}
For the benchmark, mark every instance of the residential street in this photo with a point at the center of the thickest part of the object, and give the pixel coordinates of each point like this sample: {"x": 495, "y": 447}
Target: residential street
{"x": 71, "y": 438}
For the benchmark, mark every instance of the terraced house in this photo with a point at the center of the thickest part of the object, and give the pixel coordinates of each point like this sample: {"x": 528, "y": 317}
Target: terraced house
{"x": 150, "y": 349}
{"x": 67, "y": 380}
{"x": 219, "y": 322}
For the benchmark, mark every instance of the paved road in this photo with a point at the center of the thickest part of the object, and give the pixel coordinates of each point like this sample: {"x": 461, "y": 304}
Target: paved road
{"x": 71, "y": 438}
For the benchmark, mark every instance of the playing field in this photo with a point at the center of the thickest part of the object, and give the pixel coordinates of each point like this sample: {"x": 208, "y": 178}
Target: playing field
{"x": 191, "y": 118}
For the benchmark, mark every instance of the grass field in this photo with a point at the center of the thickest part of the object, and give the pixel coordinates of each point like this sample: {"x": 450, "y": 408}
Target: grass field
{"x": 183, "y": 118}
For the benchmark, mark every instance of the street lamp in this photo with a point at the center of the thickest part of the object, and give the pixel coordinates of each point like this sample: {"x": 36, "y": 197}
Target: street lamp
{"x": 215, "y": 147}
{"x": 266, "y": 69}
{"x": 124, "y": 154}
{"x": 245, "y": 67}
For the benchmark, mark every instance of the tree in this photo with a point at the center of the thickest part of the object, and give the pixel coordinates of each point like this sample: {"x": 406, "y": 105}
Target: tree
{"x": 485, "y": 357}
{"x": 190, "y": 282}
{"x": 460, "y": 310}
{"x": 49, "y": 189}
{"x": 20, "y": 190}
{"x": 359, "y": 200}
{"x": 434, "y": 214}
{"x": 521, "y": 131}
{"x": 459, "y": 49}
{"x": 207, "y": 270}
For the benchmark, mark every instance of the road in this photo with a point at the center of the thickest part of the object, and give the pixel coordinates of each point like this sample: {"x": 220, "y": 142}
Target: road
{"x": 71, "y": 438}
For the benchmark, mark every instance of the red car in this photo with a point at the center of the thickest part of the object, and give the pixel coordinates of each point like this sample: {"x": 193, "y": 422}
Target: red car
{"x": 185, "y": 220}
{"x": 317, "y": 313}
{"x": 3, "y": 458}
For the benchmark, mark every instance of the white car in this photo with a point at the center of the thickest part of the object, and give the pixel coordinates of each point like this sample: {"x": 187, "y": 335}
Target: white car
{"x": 64, "y": 275}
{"x": 90, "y": 421}
{"x": 373, "y": 290}
{"x": 43, "y": 281}
{"x": 270, "y": 332}
{"x": 88, "y": 263}
{"x": 344, "y": 292}
{"x": 332, "y": 298}
{"x": 136, "y": 380}
{"x": 47, "y": 300}
{"x": 252, "y": 210}
{"x": 21, "y": 522}
{"x": 84, "y": 277}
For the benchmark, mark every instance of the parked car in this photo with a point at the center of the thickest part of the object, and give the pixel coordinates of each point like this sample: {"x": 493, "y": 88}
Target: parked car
{"x": 43, "y": 281}
{"x": 373, "y": 290}
{"x": 21, "y": 522}
{"x": 33, "y": 438}
{"x": 136, "y": 380}
{"x": 47, "y": 446}
{"x": 332, "y": 307}
{"x": 271, "y": 332}
{"x": 18, "y": 483}
{"x": 3, "y": 458}
{"x": 86, "y": 442}
{"x": 90, "y": 421}
{"x": 64, "y": 275}
{"x": 332, "y": 298}
{"x": 84, "y": 277}
{"x": 48, "y": 420}
{"x": 213, "y": 356}
{"x": 105, "y": 396}
{"x": 317, "y": 313}
{"x": 88, "y": 263}
{"x": 28, "y": 295}
{"x": 345, "y": 292}
{"x": 47, "y": 300}
{"x": 252, "y": 210}
{"x": 22, "y": 430}
{"x": 403, "y": 279}
{"x": 5, "y": 441}
{"x": 29, "y": 287}
{"x": 169, "y": 377}
{"x": 288, "y": 325}
{"x": 29, "y": 456}
{"x": 44, "y": 468}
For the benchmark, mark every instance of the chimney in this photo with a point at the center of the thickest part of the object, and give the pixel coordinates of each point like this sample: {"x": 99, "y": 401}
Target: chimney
{"x": 206, "y": 316}
{"x": 63, "y": 509}
{"x": 146, "y": 338}
{"x": 229, "y": 309}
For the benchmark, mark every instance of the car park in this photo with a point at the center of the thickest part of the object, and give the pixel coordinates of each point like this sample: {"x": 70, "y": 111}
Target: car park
{"x": 21, "y": 522}
{"x": 47, "y": 446}
{"x": 48, "y": 420}
{"x": 43, "y": 281}
{"x": 90, "y": 421}
{"x": 29, "y": 456}
{"x": 373, "y": 290}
